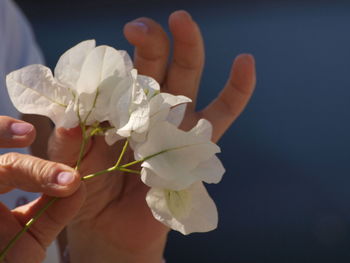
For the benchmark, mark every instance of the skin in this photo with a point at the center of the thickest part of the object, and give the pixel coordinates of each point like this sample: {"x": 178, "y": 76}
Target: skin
{"x": 115, "y": 223}
{"x": 34, "y": 175}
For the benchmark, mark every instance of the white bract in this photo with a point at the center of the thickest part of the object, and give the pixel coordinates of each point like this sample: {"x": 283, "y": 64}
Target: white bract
{"x": 97, "y": 84}
{"x": 177, "y": 196}
{"x": 85, "y": 79}
{"x": 185, "y": 158}
{"x": 187, "y": 211}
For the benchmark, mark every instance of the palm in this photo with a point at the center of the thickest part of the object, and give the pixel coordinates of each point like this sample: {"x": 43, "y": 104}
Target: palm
{"x": 115, "y": 205}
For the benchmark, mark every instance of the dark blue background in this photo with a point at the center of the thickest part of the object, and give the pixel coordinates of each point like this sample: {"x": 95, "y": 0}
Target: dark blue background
{"x": 285, "y": 196}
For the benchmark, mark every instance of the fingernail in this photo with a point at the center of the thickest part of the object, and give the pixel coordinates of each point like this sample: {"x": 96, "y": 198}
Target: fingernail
{"x": 21, "y": 128}
{"x": 65, "y": 178}
{"x": 140, "y": 25}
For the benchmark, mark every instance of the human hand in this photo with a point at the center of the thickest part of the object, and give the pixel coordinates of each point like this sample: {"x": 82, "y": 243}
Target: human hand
{"x": 34, "y": 175}
{"x": 115, "y": 223}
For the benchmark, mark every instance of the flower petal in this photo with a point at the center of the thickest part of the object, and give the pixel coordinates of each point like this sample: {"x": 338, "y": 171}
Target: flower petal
{"x": 176, "y": 114}
{"x": 199, "y": 215}
{"x": 33, "y": 90}
{"x": 161, "y": 104}
{"x": 151, "y": 179}
{"x": 209, "y": 171}
{"x": 138, "y": 111}
{"x": 111, "y": 136}
{"x": 181, "y": 152}
{"x": 101, "y": 63}
{"x": 203, "y": 129}
{"x": 69, "y": 65}
{"x": 149, "y": 85}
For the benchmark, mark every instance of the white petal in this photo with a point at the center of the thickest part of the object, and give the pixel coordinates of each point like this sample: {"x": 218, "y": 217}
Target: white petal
{"x": 177, "y": 114}
{"x": 203, "y": 128}
{"x": 138, "y": 110}
{"x": 151, "y": 179}
{"x": 120, "y": 103}
{"x": 127, "y": 60}
{"x": 161, "y": 104}
{"x": 184, "y": 152}
{"x": 33, "y": 90}
{"x": 112, "y": 137}
{"x": 209, "y": 171}
{"x": 71, "y": 118}
{"x": 100, "y": 64}
{"x": 199, "y": 213}
{"x": 149, "y": 85}
{"x": 69, "y": 65}
{"x": 100, "y": 107}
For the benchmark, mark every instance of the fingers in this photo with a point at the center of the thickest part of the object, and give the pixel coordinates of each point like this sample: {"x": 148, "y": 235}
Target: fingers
{"x": 36, "y": 175}
{"x": 55, "y": 218}
{"x": 151, "y": 47}
{"x": 234, "y": 97}
{"x": 32, "y": 245}
{"x": 15, "y": 133}
{"x": 64, "y": 145}
{"x": 188, "y": 60}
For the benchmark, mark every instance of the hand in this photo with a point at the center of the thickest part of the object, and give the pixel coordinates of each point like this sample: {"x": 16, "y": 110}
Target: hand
{"x": 115, "y": 224}
{"x": 34, "y": 175}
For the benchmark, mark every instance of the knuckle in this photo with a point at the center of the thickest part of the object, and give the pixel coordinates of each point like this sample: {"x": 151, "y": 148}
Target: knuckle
{"x": 9, "y": 160}
{"x": 45, "y": 171}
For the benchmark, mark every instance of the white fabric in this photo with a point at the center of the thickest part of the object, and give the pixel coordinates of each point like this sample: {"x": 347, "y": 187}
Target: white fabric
{"x": 17, "y": 49}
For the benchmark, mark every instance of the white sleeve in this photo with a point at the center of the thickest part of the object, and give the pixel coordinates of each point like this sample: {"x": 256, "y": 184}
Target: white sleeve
{"x": 17, "y": 49}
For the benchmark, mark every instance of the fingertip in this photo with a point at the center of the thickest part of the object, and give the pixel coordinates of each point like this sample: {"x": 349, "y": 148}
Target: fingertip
{"x": 180, "y": 16}
{"x": 137, "y": 25}
{"x": 15, "y": 133}
{"x": 23, "y": 133}
{"x": 140, "y": 30}
{"x": 243, "y": 71}
{"x": 245, "y": 59}
{"x": 64, "y": 182}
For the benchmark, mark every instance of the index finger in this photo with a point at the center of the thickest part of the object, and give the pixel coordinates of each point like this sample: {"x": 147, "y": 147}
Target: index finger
{"x": 33, "y": 174}
{"x": 15, "y": 133}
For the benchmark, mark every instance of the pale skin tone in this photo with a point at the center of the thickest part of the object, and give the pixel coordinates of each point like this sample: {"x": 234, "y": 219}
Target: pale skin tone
{"x": 34, "y": 175}
{"x": 115, "y": 224}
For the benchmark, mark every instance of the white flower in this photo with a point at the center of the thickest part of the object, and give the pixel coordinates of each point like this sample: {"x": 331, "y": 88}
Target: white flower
{"x": 85, "y": 78}
{"x": 186, "y": 157}
{"x": 162, "y": 107}
{"x": 177, "y": 197}
{"x": 147, "y": 107}
{"x": 189, "y": 210}
{"x": 129, "y": 111}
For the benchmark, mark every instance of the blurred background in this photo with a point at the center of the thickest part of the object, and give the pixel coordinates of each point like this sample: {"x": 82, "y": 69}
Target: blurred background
{"x": 285, "y": 196}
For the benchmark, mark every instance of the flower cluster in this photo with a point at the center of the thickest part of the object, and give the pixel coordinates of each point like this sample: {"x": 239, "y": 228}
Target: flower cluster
{"x": 92, "y": 85}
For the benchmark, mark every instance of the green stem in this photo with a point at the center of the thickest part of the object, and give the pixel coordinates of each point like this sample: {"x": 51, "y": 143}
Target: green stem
{"x": 82, "y": 146}
{"x": 122, "y": 153}
{"x": 143, "y": 159}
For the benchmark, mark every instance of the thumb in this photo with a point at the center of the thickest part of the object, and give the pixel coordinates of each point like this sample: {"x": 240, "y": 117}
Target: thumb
{"x": 32, "y": 245}
{"x": 64, "y": 145}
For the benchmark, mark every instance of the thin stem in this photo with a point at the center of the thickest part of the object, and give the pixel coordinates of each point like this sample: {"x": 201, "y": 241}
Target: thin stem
{"x": 26, "y": 227}
{"x": 122, "y": 153}
{"x": 143, "y": 159}
{"x": 86, "y": 177}
{"x": 82, "y": 146}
